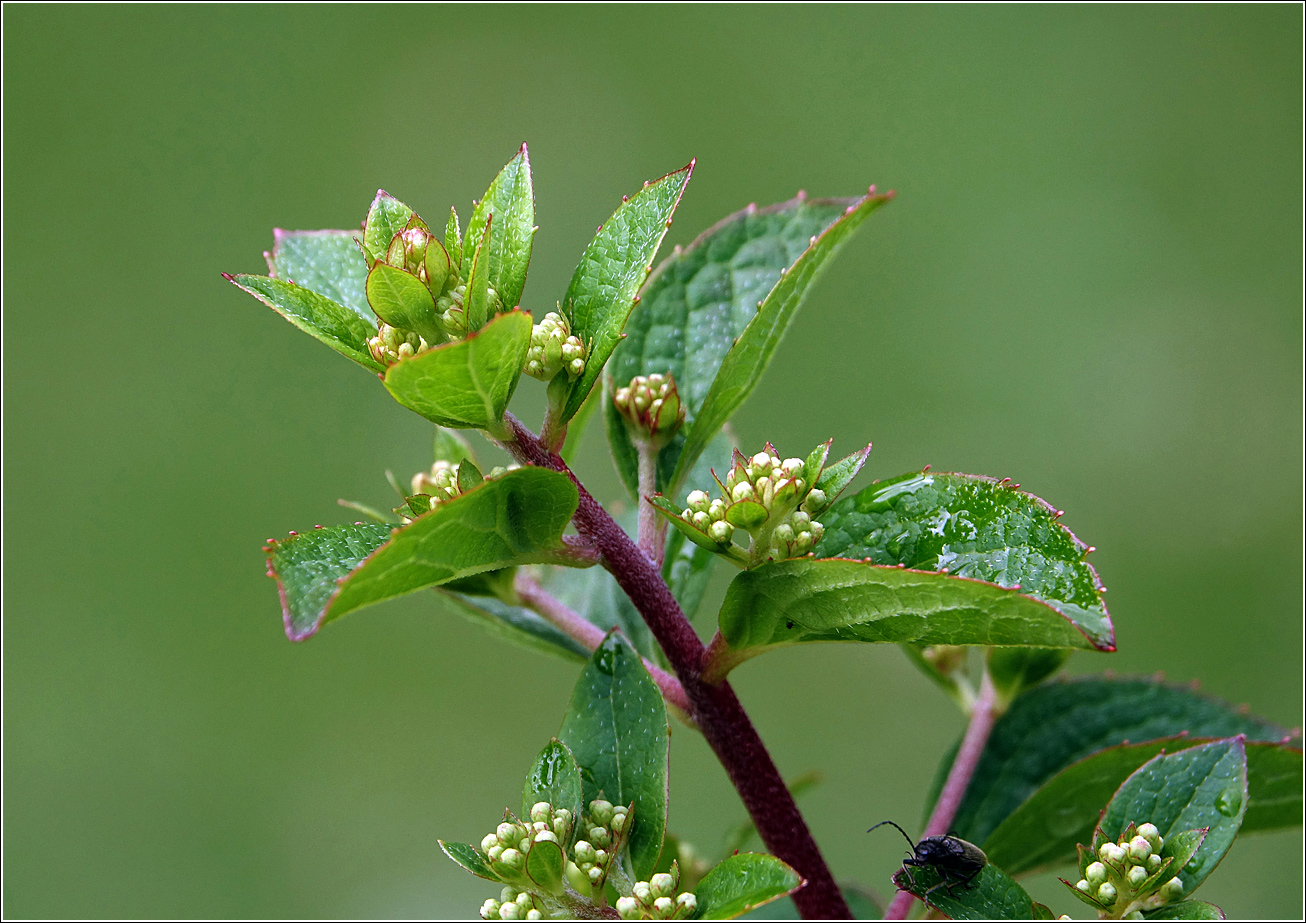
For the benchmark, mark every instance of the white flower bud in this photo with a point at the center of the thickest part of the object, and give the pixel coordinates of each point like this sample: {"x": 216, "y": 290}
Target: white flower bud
{"x": 783, "y": 534}
{"x": 508, "y": 833}
{"x": 489, "y": 842}
{"x": 1152, "y": 835}
{"x": 717, "y": 511}
{"x": 510, "y": 912}
{"x": 817, "y": 530}
{"x": 584, "y": 852}
{"x": 600, "y": 836}
{"x": 1095, "y": 873}
{"x": 534, "y": 914}
{"x": 495, "y": 852}
{"x": 545, "y": 836}
{"x": 664, "y": 905}
{"x": 1082, "y": 885}
{"x": 662, "y": 885}
{"x": 627, "y": 908}
{"x": 508, "y": 894}
{"x": 1153, "y": 863}
{"x": 698, "y": 501}
{"x": 1111, "y": 852}
{"x": 601, "y": 857}
{"x": 721, "y": 532}
{"x": 594, "y": 874}
{"x": 576, "y": 368}
{"x": 687, "y": 903}
{"x": 801, "y": 521}
{"x": 791, "y": 466}
{"x": 1107, "y": 893}
{"x": 601, "y": 811}
{"x": 701, "y": 520}
{"x": 761, "y": 461}
{"x": 541, "y": 811}
{"x": 619, "y": 822}
{"x": 1172, "y": 889}
{"x": 643, "y": 892}
{"x": 1139, "y": 849}
{"x": 513, "y": 859}
{"x": 490, "y": 909}
{"x": 815, "y": 500}
{"x": 525, "y": 900}
{"x": 1137, "y": 875}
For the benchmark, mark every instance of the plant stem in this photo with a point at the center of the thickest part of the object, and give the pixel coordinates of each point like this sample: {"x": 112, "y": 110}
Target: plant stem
{"x": 652, "y": 527}
{"x": 717, "y": 711}
{"x": 982, "y": 718}
{"x": 587, "y": 634}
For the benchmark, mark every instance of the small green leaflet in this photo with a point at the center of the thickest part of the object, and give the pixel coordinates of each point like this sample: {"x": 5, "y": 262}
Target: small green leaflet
{"x": 343, "y": 330}
{"x": 327, "y": 262}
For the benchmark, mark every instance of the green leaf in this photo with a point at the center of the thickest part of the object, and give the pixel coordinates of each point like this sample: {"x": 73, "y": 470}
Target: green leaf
{"x": 386, "y": 218}
{"x": 741, "y": 882}
{"x": 1043, "y": 831}
{"x": 743, "y": 365}
{"x": 451, "y": 446}
{"x": 1204, "y": 786}
{"x": 973, "y": 527}
{"x": 804, "y": 600}
{"x": 327, "y": 262}
{"x": 517, "y": 625}
{"x": 401, "y": 300}
{"x": 544, "y": 864}
{"x": 468, "y": 383}
{"x": 554, "y": 778}
{"x": 1059, "y": 723}
{"x": 331, "y": 323}
{"x": 616, "y": 726}
{"x": 1186, "y": 910}
{"x": 470, "y": 858}
{"x": 477, "y": 300}
{"x": 698, "y": 302}
{"x": 515, "y": 519}
{"x": 993, "y": 895}
{"x": 612, "y": 268}
{"x": 1015, "y": 669}
{"x": 511, "y": 201}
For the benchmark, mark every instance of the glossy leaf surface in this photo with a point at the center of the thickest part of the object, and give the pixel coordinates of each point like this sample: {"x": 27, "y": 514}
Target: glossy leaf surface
{"x": 327, "y": 573}
{"x": 742, "y": 367}
{"x": 741, "y": 882}
{"x": 1059, "y": 723}
{"x": 973, "y": 527}
{"x": 616, "y": 727}
{"x": 1204, "y": 786}
{"x": 993, "y": 895}
{"x": 804, "y": 600}
{"x": 555, "y": 778}
{"x": 507, "y": 252}
{"x": 470, "y": 858}
{"x": 327, "y": 262}
{"x": 1043, "y": 831}
{"x": 386, "y": 217}
{"x": 320, "y": 317}
{"x": 612, "y": 268}
{"x": 467, "y": 383}
{"x": 699, "y": 300}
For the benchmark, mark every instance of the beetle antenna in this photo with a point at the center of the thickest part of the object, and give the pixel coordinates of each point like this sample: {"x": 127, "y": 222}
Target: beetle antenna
{"x": 900, "y": 830}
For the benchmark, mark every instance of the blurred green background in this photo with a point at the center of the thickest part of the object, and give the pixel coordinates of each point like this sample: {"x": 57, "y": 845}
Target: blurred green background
{"x": 1090, "y": 282}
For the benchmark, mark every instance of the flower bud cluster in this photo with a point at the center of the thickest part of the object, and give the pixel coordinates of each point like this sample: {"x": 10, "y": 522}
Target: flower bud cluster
{"x": 769, "y": 499}
{"x": 1129, "y": 874}
{"x": 391, "y": 344}
{"x": 513, "y": 905}
{"x": 656, "y": 899}
{"x": 603, "y": 834}
{"x": 440, "y": 483}
{"x": 554, "y": 349}
{"x": 651, "y": 407}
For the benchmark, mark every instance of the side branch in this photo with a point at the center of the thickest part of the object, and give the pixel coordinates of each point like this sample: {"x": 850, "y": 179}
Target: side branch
{"x": 716, "y": 710}
{"x": 982, "y": 719}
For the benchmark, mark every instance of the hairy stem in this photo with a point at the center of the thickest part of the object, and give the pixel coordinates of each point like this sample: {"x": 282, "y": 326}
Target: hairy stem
{"x": 717, "y": 711}
{"x": 587, "y": 634}
{"x": 652, "y": 527}
{"x": 982, "y": 718}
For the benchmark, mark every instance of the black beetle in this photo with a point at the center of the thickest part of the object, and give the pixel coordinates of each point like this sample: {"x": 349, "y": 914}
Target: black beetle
{"x": 953, "y": 858}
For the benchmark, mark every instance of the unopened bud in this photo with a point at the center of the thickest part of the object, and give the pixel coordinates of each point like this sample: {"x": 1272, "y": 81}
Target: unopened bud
{"x": 664, "y": 905}
{"x": 1107, "y": 893}
{"x": 1111, "y": 852}
{"x": 721, "y": 532}
{"x": 698, "y": 501}
{"x": 1082, "y": 885}
{"x": 489, "y": 842}
{"x": 628, "y": 908}
{"x": 662, "y": 885}
{"x": 815, "y": 500}
{"x": 1095, "y": 873}
{"x": 490, "y": 909}
{"x": 1172, "y": 889}
{"x": 534, "y": 914}
{"x": 541, "y": 811}
{"x": 1153, "y": 836}
{"x": 584, "y": 852}
{"x": 1137, "y": 875}
{"x": 513, "y": 859}
{"x": 687, "y": 903}
{"x": 1139, "y": 849}
{"x": 743, "y": 491}
{"x": 619, "y": 822}
{"x": 1153, "y": 863}
{"x": 643, "y": 892}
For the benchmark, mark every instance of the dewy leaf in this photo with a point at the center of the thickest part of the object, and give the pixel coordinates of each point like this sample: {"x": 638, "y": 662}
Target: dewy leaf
{"x": 1186, "y": 910}
{"x": 993, "y": 895}
{"x": 470, "y": 858}
{"x": 386, "y": 218}
{"x": 1059, "y": 723}
{"x": 327, "y": 262}
{"x": 741, "y": 882}
{"x": 698, "y": 302}
{"x": 554, "y": 778}
{"x": 792, "y": 602}
{"x": 616, "y": 726}
{"x": 974, "y": 527}
{"x": 317, "y": 315}
{"x": 743, "y": 365}
{"x": 612, "y": 268}
{"x": 511, "y": 200}
{"x": 517, "y": 518}
{"x": 1204, "y": 786}
{"x": 467, "y": 383}
{"x": 1043, "y": 831}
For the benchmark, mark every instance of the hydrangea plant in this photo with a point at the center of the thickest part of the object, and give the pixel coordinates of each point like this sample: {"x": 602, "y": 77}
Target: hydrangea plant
{"x": 978, "y": 582}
